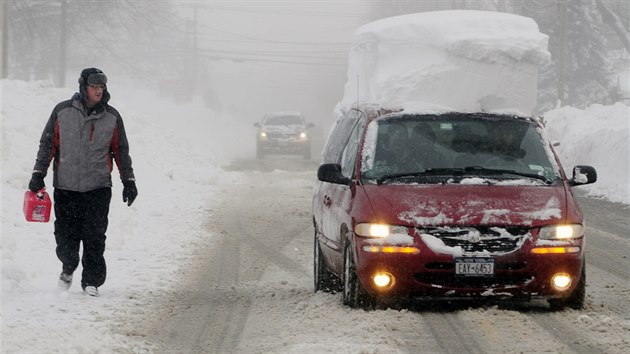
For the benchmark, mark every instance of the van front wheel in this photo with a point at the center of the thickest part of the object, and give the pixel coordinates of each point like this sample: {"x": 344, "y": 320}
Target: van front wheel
{"x": 324, "y": 280}
{"x": 353, "y": 293}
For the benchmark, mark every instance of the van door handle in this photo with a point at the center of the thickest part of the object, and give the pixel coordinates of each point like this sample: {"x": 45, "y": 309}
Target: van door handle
{"x": 327, "y": 200}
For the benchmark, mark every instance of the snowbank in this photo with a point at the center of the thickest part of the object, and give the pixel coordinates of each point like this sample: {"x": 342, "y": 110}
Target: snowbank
{"x": 596, "y": 136}
{"x": 468, "y": 61}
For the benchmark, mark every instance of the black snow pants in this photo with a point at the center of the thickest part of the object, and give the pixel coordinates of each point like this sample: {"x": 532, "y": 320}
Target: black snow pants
{"x": 82, "y": 217}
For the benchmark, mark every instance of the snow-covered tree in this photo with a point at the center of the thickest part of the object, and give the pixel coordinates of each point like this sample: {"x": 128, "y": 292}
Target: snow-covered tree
{"x": 586, "y": 67}
{"x": 47, "y": 37}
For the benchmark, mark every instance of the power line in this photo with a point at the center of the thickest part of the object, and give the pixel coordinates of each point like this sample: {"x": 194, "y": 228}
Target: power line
{"x": 345, "y": 44}
{"x": 291, "y": 53}
{"x": 267, "y": 11}
{"x": 261, "y": 60}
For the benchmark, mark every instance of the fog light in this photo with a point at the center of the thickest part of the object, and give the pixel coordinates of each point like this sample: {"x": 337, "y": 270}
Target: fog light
{"x": 382, "y": 279}
{"x": 561, "y": 281}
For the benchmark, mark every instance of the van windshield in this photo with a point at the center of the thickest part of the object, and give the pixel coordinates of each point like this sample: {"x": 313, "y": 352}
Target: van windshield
{"x": 430, "y": 147}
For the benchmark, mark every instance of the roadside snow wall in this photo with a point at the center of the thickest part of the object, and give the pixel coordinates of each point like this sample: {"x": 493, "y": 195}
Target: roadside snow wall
{"x": 466, "y": 61}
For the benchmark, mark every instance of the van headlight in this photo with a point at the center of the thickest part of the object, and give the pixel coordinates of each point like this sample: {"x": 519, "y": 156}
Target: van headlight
{"x": 561, "y": 232}
{"x": 378, "y": 230}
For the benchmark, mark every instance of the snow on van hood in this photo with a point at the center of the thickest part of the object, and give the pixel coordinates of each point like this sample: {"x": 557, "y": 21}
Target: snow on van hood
{"x": 435, "y": 205}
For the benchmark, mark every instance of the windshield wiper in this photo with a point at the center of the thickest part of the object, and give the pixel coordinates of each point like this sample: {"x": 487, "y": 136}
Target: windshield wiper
{"x": 483, "y": 170}
{"x": 427, "y": 172}
{"x": 471, "y": 170}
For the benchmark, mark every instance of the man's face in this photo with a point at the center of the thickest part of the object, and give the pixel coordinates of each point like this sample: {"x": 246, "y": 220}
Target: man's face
{"x": 94, "y": 94}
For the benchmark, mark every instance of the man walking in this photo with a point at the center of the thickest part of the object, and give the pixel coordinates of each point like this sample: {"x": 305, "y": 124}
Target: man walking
{"x": 82, "y": 137}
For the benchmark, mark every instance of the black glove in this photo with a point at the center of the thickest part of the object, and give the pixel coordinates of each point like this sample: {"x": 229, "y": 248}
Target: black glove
{"x": 37, "y": 182}
{"x": 130, "y": 192}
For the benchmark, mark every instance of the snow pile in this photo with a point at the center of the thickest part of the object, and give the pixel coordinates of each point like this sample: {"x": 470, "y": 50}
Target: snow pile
{"x": 596, "y": 136}
{"x": 468, "y": 61}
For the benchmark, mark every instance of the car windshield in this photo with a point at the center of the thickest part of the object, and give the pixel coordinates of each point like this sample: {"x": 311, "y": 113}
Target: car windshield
{"x": 431, "y": 147}
{"x": 284, "y": 120}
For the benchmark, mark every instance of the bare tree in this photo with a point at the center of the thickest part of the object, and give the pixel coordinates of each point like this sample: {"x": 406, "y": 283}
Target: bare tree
{"x": 616, "y": 24}
{"x": 4, "y": 18}
{"x": 49, "y": 37}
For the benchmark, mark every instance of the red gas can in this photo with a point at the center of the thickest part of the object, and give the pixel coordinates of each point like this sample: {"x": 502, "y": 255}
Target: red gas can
{"x": 37, "y": 206}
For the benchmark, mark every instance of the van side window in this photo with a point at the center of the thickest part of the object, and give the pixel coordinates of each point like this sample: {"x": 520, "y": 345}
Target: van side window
{"x": 349, "y": 156}
{"x": 339, "y": 137}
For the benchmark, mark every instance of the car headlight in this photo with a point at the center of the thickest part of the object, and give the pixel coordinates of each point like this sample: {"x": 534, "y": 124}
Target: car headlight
{"x": 303, "y": 136}
{"x": 561, "y": 232}
{"x": 378, "y": 230}
{"x": 263, "y": 135}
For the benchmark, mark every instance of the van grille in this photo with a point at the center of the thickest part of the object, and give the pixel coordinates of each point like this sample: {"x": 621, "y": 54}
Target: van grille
{"x": 450, "y": 280}
{"x": 487, "y": 239}
{"x": 281, "y": 136}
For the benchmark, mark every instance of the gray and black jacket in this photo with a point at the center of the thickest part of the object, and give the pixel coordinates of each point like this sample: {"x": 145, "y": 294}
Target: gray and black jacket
{"x": 83, "y": 145}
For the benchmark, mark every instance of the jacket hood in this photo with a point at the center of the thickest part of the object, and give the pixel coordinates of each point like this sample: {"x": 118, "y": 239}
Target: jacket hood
{"x": 437, "y": 204}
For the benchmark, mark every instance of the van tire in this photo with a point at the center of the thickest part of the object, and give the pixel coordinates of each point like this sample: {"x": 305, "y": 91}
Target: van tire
{"x": 353, "y": 294}
{"x": 576, "y": 299}
{"x": 324, "y": 280}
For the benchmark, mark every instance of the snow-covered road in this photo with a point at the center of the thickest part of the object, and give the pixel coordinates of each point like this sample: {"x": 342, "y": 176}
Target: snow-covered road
{"x": 187, "y": 274}
{"x": 250, "y": 290}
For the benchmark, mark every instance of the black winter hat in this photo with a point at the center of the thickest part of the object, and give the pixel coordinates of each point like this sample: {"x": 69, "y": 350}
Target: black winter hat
{"x": 93, "y": 76}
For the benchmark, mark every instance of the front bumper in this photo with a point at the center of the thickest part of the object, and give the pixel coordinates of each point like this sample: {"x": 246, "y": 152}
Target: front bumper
{"x": 429, "y": 274}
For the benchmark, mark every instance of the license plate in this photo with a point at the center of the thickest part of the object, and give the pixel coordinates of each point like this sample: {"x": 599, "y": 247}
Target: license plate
{"x": 474, "y": 266}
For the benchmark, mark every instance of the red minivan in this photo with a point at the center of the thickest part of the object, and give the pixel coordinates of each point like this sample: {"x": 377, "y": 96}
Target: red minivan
{"x": 446, "y": 206}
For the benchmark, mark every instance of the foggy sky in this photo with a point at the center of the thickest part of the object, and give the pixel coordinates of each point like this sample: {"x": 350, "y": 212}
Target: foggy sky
{"x": 267, "y": 56}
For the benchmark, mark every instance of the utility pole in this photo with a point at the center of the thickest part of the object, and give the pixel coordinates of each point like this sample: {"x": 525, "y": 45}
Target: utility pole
{"x": 4, "y": 17}
{"x": 62, "y": 45}
{"x": 195, "y": 50}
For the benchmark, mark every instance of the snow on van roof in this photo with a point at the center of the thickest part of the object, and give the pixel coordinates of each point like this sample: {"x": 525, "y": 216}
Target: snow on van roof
{"x": 460, "y": 60}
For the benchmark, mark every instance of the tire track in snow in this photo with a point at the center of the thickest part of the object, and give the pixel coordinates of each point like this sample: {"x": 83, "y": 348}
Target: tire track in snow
{"x": 608, "y": 252}
{"x": 257, "y": 240}
{"x": 204, "y": 311}
{"x": 452, "y": 336}
{"x": 563, "y": 330}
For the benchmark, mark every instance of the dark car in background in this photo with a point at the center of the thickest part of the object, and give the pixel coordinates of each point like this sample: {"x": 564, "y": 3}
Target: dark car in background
{"x": 447, "y": 206}
{"x": 283, "y": 133}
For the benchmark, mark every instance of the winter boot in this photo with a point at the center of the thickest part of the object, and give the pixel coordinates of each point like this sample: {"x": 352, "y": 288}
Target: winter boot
{"x": 91, "y": 290}
{"x": 65, "y": 280}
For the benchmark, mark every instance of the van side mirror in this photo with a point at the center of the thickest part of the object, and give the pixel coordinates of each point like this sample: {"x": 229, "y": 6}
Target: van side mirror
{"x": 582, "y": 175}
{"x": 331, "y": 172}
{"x": 257, "y": 125}
{"x": 310, "y": 125}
